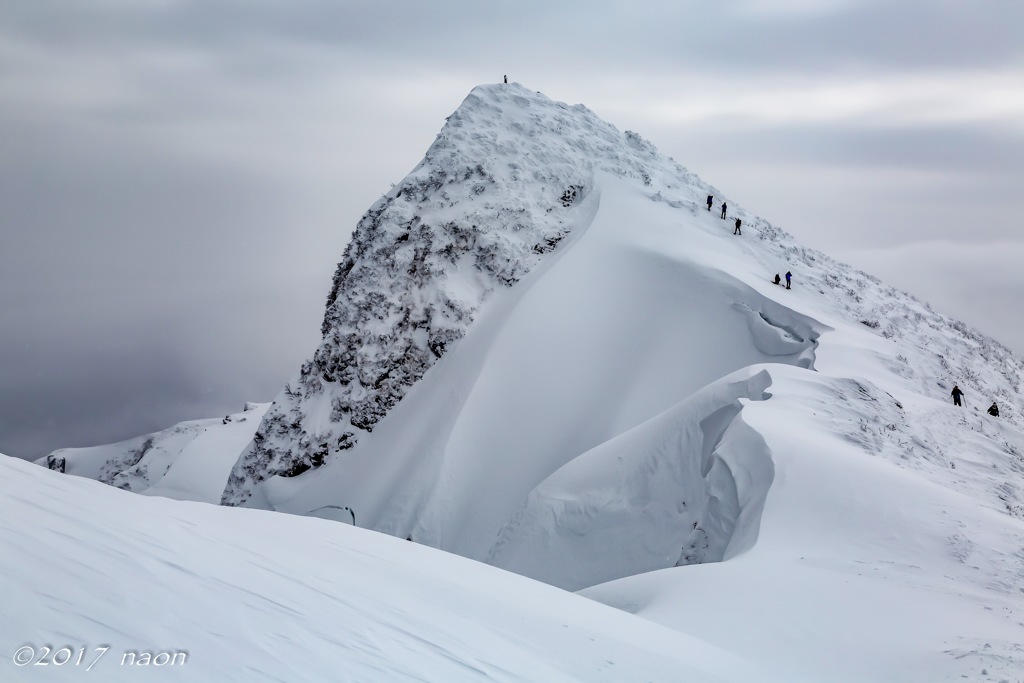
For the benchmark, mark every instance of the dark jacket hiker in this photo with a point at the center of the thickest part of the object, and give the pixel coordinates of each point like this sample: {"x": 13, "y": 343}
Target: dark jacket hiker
{"x": 956, "y": 394}
{"x": 993, "y": 410}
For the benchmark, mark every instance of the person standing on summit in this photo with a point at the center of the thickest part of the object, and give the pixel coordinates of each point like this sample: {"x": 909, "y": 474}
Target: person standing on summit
{"x": 956, "y": 394}
{"x": 723, "y": 209}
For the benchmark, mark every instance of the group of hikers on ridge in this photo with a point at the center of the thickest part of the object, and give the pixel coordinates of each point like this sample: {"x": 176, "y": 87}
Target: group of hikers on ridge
{"x": 993, "y": 409}
{"x": 725, "y": 207}
{"x": 711, "y": 200}
{"x": 738, "y": 231}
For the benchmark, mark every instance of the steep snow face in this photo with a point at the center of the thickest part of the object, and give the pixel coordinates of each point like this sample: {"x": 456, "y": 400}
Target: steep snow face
{"x": 688, "y": 485}
{"x": 620, "y": 325}
{"x": 500, "y": 188}
{"x": 190, "y": 460}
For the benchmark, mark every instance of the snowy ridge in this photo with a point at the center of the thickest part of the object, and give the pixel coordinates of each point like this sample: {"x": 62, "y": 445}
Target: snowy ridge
{"x": 190, "y": 460}
{"x": 495, "y": 194}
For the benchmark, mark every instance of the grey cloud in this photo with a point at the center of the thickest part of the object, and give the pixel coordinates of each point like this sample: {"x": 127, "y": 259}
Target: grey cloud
{"x": 653, "y": 37}
{"x": 95, "y": 375}
{"x": 907, "y": 35}
{"x": 139, "y": 288}
{"x": 91, "y": 389}
{"x": 938, "y": 149}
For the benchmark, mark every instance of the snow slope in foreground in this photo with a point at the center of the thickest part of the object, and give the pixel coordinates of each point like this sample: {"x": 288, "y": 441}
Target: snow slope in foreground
{"x": 254, "y": 596}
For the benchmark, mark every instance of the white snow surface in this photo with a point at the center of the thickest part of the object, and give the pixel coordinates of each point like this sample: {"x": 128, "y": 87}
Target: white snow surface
{"x": 644, "y": 417}
{"x": 252, "y": 596}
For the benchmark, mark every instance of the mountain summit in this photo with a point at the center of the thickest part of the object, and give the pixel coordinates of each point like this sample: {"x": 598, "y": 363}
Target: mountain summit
{"x": 503, "y": 184}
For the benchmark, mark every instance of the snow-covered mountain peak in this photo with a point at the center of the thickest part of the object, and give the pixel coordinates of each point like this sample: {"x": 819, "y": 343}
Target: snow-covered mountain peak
{"x": 503, "y": 184}
{"x": 544, "y": 350}
{"x": 541, "y": 242}
{"x": 524, "y": 131}
{"x": 567, "y": 286}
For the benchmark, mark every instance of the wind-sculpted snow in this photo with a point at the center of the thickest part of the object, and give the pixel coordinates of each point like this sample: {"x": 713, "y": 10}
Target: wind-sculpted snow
{"x": 686, "y": 487}
{"x": 497, "y": 192}
{"x": 593, "y": 344}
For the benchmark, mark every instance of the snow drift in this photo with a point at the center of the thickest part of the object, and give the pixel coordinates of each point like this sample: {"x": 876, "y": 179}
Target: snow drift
{"x": 695, "y": 473}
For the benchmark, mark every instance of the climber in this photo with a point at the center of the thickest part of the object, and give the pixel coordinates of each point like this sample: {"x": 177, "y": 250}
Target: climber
{"x": 956, "y": 394}
{"x": 777, "y": 278}
{"x": 737, "y": 231}
{"x": 723, "y": 209}
{"x": 993, "y": 410}
{"x": 789, "y": 276}
{"x": 711, "y": 199}
{"x": 506, "y": 79}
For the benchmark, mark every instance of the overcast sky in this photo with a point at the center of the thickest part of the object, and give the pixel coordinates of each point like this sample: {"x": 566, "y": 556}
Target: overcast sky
{"x": 178, "y": 178}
